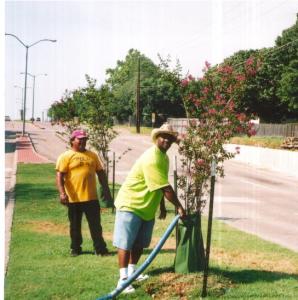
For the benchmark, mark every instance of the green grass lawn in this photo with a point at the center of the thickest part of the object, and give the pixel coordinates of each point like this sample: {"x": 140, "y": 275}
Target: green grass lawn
{"x": 273, "y": 142}
{"x": 242, "y": 265}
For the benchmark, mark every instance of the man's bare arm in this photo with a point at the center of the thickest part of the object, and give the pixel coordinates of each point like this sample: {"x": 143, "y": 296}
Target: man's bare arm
{"x": 102, "y": 178}
{"x": 171, "y": 196}
{"x": 60, "y": 185}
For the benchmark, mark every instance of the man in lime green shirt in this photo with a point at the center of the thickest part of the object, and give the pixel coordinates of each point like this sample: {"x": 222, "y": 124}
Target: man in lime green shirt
{"x": 138, "y": 200}
{"x": 77, "y": 170}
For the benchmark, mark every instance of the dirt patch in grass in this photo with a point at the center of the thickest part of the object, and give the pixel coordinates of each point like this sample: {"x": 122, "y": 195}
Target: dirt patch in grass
{"x": 181, "y": 286}
{"x": 57, "y": 229}
{"x": 254, "y": 260}
{"x": 170, "y": 243}
{"x": 47, "y": 227}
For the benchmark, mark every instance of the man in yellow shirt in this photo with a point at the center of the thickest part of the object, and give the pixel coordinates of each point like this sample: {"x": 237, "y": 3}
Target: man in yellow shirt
{"x": 76, "y": 172}
{"x": 138, "y": 200}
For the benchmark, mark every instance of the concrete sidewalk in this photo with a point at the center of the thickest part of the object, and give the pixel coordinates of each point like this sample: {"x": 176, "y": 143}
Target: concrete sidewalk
{"x": 24, "y": 153}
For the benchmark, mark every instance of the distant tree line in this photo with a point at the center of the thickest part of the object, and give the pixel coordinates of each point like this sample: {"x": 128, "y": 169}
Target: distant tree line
{"x": 271, "y": 94}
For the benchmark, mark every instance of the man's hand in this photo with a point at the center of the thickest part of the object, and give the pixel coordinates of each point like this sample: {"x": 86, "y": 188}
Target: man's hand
{"x": 169, "y": 193}
{"x": 162, "y": 214}
{"x": 107, "y": 204}
{"x": 102, "y": 178}
{"x": 181, "y": 212}
{"x": 64, "y": 198}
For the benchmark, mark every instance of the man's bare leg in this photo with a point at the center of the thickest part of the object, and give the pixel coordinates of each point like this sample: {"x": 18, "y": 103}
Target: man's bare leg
{"x": 123, "y": 258}
{"x": 135, "y": 255}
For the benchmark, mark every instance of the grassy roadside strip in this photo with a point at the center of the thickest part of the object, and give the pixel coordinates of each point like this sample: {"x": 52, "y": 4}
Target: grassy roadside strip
{"x": 242, "y": 265}
{"x": 272, "y": 142}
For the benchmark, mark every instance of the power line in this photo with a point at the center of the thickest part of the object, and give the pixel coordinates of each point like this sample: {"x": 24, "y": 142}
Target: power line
{"x": 269, "y": 52}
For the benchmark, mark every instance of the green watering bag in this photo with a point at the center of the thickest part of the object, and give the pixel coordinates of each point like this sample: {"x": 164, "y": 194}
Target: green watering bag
{"x": 190, "y": 254}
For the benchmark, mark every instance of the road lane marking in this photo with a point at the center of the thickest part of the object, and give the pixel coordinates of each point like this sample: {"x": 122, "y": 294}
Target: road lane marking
{"x": 259, "y": 185}
{"x": 221, "y": 199}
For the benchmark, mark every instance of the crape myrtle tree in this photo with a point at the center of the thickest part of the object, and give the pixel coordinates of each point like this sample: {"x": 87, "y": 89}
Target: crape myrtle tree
{"x": 95, "y": 112}
{"x": 64, "y": 112}
{"x": 87, "y": 108}
{"x": 215, "y": 108}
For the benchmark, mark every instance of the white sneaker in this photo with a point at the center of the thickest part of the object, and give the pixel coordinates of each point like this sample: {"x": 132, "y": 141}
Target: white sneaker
{"x": 129, "y": 289}
{"x": 142, "y": 277}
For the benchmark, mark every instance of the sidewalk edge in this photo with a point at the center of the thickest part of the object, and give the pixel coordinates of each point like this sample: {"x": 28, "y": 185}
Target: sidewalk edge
{"x": 9, "y": 211}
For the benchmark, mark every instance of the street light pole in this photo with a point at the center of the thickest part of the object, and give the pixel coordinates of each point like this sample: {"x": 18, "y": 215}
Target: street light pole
{"x": 26, "y": 67}
{"x": 22, "y": 104}
{"x": 25, "y": 92}
{"x": 33, "y": 92}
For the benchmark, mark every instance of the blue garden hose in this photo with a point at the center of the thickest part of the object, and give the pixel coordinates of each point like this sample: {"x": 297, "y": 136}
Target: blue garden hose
{"x": 145, "y": 264}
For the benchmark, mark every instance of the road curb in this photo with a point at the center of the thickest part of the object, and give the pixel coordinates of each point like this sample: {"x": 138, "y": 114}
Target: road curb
{"x": 34, "y": 150}
{"x": 9, "y": 210}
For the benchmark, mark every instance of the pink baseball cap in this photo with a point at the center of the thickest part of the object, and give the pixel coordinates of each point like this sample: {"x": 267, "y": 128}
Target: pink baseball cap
{"x": 80, "y": 134}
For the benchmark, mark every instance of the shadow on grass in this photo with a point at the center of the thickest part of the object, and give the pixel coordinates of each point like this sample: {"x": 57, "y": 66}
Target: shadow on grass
{"x": 160, "y": 271}
{"x": 28, "y": 192}
{"x": 111, "y": 253}
{"x": 238, "y": 277}
{"x": 162, "y": 251}
{"x": 251, "y": 276}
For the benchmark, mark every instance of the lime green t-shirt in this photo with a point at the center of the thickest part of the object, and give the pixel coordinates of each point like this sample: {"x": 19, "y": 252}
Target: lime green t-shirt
{"x": 80, "y": 174}
{"x": 141, "y": 191}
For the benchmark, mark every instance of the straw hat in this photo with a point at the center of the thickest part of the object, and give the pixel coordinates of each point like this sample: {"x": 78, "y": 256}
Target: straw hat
{"x": 165, "y": 128}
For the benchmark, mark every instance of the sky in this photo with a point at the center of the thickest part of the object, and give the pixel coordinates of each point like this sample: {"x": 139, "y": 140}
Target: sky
{"x": 93, "y": 35}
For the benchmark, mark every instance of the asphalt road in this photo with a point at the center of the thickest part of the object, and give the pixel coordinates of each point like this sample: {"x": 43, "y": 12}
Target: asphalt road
{"x": 258, "y": 201}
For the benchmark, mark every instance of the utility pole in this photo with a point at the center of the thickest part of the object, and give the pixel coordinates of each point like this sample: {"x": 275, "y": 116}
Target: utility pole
{"x": 138, "y": 100}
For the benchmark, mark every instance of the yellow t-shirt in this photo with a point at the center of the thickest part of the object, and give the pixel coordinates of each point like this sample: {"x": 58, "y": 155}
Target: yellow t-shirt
{"x": 141, "y": 191}
{"x": 80, "y": 174}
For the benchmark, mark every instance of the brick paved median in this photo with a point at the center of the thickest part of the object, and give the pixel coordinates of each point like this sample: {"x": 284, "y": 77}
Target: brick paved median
{"x": 26, "y": 152}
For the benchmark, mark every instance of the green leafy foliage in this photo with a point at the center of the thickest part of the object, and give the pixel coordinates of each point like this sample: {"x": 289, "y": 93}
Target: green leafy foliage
{"x": 88, "y": 107}
{"x": 288, "y": 86}
{"x": 272, "y": 93}
{"x": 96, "y": 114}
{"x": 159, "y": 88}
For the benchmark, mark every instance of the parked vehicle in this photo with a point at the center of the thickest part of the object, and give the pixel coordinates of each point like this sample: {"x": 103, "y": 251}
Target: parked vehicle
{"x": 7, "y": 118}
{"x": 38, "y": 119}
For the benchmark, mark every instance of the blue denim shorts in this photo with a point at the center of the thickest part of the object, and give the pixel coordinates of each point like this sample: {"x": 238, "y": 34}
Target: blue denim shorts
{"x": 131, "y": 231}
